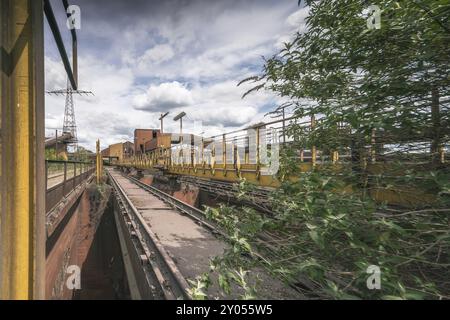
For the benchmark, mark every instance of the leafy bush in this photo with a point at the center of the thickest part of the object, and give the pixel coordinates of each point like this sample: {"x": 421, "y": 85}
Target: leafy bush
{"x": 384, "y": 91}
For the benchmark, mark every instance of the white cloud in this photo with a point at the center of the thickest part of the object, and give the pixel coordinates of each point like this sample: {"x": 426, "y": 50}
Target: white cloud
{"x": 155, "y": 55}
{"x": 55, "y": 75}
{"x": 188, "y": 56}
{"x": 165, "y": 96}
{"x": 211, "y": 41}
{"x": 218, "y": 105}
{"x": 297, "y": 19}
{"x": 295, "y": 22}
{"x": 221, "y": 115}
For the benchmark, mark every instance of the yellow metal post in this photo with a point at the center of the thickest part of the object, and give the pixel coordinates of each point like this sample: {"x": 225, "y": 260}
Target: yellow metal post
{"x": 224, "y": 154}
{"x": 22, "y": 175}
{"x": 373, "y": 146}
{"x": 203, "y": 155}
{"x": 99, "y": 163}
{"x": 96, "y": 162}
{"x": 436, "y": 143}
{"x": 334, "y": 156}
{"x": 258, "y": 154}
{"x": 313, "y": 148}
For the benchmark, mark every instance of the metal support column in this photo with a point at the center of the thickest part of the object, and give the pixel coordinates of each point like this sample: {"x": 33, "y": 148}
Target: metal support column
{"x": 437, "y": 154}
{"x": 313, "y": 147}
{"x": 22, "y": 174}
{"x": 98, "y": 163}
{"x": 224, "y": 154}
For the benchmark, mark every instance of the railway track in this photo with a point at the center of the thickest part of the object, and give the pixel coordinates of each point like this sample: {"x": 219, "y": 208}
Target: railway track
{"x": 257, "y": 198}
{"x": 163, "y": 277}
{"x": 193, "y": 212}
{"x": 165, "y": 263}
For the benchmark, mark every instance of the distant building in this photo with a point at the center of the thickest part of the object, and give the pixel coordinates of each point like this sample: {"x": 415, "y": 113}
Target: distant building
{"x": 141, "y": 136}
{"x": 128, "y": 149}
{"x": 105, "y": 152}
{"x": 121, "y": 151}
{"x": 116, "y": 151}
{"x": 162, "y": 140}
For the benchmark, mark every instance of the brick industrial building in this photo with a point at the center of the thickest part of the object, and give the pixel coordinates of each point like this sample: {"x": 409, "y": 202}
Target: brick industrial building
{"x": 121, "y": 151}
{"x": 141, "y": 136}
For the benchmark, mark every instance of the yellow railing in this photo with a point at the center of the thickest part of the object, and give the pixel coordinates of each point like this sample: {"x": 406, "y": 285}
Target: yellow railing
{"x": 250, "y": 154}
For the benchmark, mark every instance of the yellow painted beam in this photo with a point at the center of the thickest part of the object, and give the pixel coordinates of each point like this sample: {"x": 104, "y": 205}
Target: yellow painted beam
{"x": 313, "y": 148}
{"x": 99, "y": 163}
{"x": 22, "y": 218}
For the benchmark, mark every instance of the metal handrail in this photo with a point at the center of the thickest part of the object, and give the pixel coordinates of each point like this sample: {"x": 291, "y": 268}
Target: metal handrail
{"x": 60, "y": 190}
{"x": 68, "y": 161}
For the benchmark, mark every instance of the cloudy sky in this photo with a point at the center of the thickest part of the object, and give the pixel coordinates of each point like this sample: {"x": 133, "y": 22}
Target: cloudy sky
{"x": 141, "y": 58}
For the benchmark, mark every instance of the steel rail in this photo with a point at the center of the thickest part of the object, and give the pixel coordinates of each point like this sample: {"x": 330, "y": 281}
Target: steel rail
{"x": 264, "y": 239}
{"x": 194, "y": 213}
{"x": 158, "y": 264}
{"x": 228, "y": 189}
{"x": 199, "y": 216}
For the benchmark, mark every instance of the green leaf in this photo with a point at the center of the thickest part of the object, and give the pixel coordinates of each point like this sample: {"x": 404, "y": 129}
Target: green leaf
{"x": 316, "y": 238}
{"x": 392, "y": 297}
{"x": 224, "y": 283}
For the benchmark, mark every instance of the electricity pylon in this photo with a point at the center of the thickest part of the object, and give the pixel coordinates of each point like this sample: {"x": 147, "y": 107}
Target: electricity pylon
{"x": 69, "y": 124}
